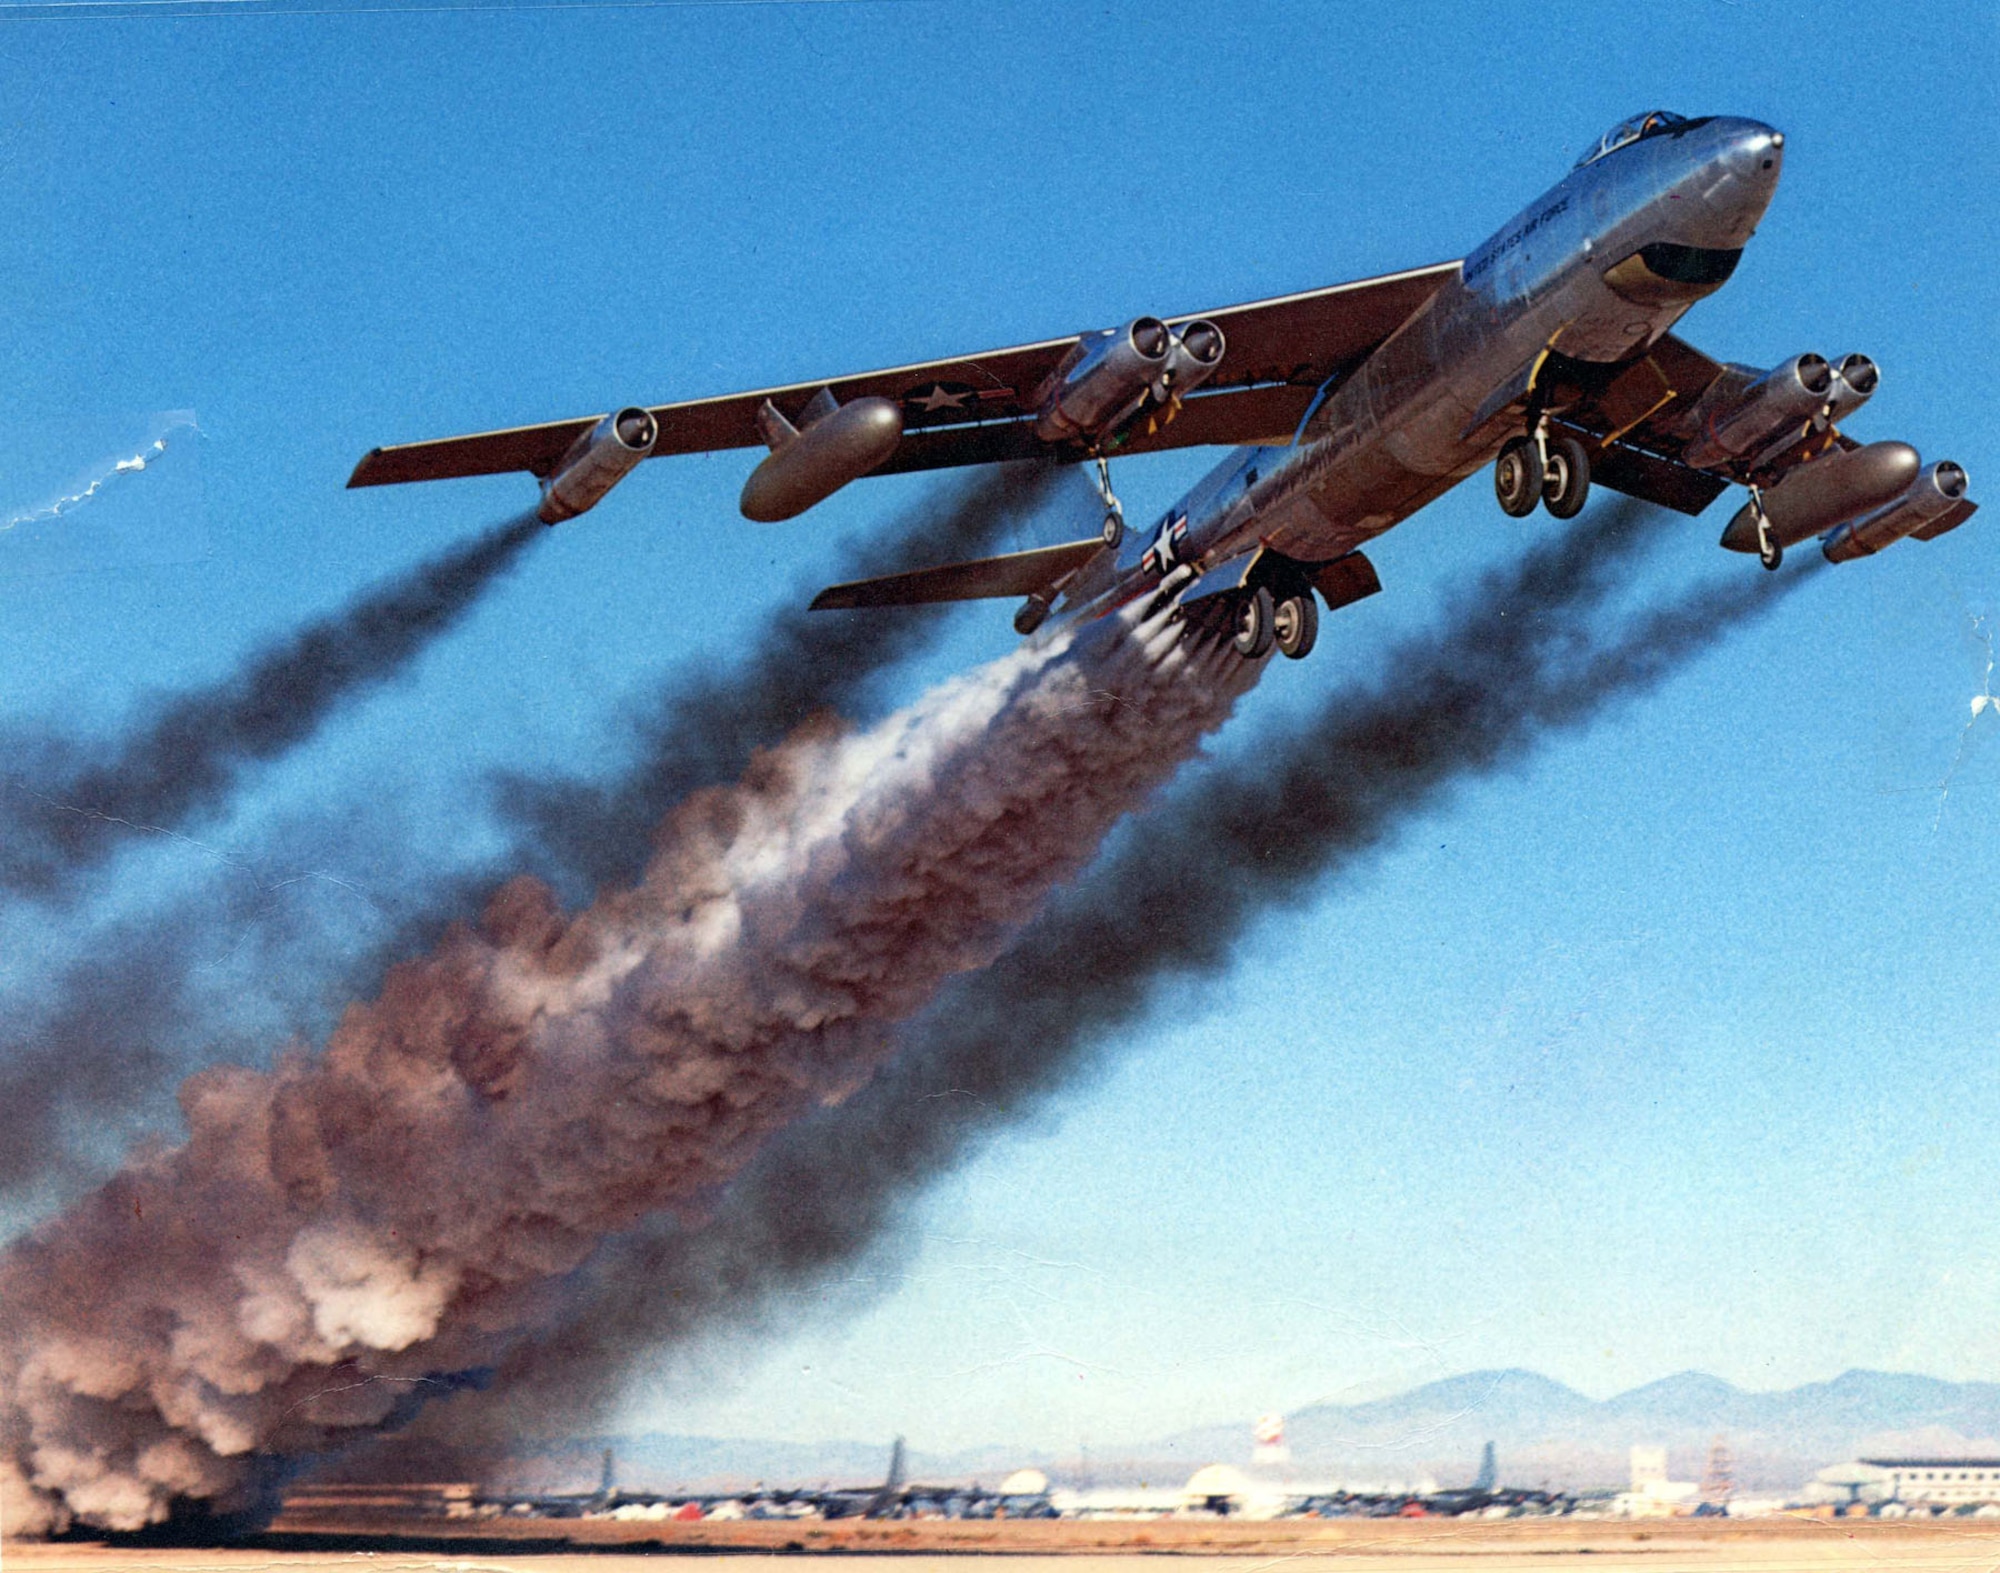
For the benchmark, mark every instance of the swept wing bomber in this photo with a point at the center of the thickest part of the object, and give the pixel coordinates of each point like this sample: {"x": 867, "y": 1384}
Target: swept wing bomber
{"x": 1547, "y": 353}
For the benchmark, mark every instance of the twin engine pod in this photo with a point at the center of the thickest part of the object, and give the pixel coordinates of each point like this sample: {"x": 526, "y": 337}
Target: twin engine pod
{"x": 1774, "y": 410}
{"x": 1108, "y": 377}
{"x": 596, "y": 462}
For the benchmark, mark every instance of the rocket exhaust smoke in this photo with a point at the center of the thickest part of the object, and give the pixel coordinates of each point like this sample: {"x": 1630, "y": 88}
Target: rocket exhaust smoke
{"x": 336, "y": 1232}
{"x": 70, "y": 807}
{"x": 1512, "y": 662}
{"x": 125, "y": 1019}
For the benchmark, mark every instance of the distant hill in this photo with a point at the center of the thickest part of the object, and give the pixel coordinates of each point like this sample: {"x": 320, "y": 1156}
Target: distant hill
{"x": 1544, "y": 1432}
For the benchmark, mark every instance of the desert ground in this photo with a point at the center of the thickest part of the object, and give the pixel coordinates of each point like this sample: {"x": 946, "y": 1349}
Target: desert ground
{"x": 1343, "y": 1546}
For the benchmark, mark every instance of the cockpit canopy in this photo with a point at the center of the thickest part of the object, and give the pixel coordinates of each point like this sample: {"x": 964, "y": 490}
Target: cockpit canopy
{"x": 1651, "y": 124}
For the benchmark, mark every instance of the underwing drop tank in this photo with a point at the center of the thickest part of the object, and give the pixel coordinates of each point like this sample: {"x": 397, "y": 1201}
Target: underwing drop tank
{"x": 596, "y": 462}
{"x": 833, "y": 445}
{"x": 1828, "y": 492}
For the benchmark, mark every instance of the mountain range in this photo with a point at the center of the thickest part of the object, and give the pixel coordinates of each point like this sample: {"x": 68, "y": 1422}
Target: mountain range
{"x": 1545, "y": 1434}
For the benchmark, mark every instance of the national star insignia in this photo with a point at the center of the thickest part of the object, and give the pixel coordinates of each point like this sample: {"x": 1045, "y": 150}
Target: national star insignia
{"x": 939, "y": 398}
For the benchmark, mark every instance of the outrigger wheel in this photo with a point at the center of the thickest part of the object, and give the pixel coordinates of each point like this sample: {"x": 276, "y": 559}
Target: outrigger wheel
{"x": 1770, "y": 551}
{"x": 1518, "y": 476}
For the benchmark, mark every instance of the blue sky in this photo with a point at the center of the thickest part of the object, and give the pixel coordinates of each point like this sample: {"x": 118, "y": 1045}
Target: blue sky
{"x": 1674, "y": 1048}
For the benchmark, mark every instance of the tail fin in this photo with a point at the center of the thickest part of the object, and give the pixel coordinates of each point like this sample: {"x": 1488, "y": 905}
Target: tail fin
{"x": 985, "y": 578}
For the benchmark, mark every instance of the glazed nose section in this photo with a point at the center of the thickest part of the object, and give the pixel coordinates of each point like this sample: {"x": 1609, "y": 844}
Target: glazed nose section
{"x": 1739, "y": 177}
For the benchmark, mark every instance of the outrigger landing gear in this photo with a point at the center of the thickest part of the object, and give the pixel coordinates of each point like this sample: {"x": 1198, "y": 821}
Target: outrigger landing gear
{"x": 1770, "y": 552}
{"x": 1114, "y": 511}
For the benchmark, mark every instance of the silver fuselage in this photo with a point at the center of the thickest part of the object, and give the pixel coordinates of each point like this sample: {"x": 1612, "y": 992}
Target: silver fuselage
{"x": 1428, "y": 407}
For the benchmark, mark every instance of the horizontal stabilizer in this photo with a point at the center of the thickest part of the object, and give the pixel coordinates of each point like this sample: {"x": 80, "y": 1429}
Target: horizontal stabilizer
{"x": 1018, "y": 573}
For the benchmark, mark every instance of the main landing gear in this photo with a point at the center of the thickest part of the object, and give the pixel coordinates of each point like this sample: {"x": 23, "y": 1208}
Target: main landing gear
{"x": 1552, "y": 471}
{"x": 1260, "y": 621}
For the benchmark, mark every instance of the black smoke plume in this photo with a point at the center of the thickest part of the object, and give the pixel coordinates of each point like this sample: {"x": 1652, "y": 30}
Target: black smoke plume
{"x": 69, "y": 807}
{"x": 1512, "y": 662}
{"x": 119, "y": 1026}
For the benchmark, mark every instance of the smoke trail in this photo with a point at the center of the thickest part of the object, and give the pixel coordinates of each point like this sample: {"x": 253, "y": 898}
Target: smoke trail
{"x": 580, "y": 834}
{"x": 123, "y": 1021}
{"x": 1512, "y": 662}
{"x": 69, "y": 807}
{"x": 335, "y": 1232}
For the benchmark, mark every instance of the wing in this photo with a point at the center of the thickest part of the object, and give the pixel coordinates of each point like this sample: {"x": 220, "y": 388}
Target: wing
{"x": 978, "y": 409}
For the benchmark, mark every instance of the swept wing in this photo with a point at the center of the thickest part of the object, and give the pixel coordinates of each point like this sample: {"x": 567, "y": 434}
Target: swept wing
{"x": 978, "y": 409}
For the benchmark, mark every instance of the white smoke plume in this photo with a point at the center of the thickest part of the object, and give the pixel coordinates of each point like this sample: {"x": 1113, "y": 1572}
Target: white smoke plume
{"x": 339, "y": 1233}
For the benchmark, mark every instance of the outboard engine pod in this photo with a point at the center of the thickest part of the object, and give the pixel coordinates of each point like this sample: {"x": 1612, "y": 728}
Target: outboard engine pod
{"x": 1104, "y": 380}
{"x": 1790, "y": 395}
{"x": 596, "y": 462}
{"x": 1938, "y": 491}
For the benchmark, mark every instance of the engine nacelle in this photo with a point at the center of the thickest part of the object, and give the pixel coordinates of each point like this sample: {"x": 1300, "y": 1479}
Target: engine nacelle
{"x": 596, "y": 462}
{"x": 1102, "y": 383}
{"x": 1790, "y": 395}
{"x": 1827, "y": 492}
{"x": 1855, "y": 379}
{"x": 839, "y": 443}
{"x": 1936, "y": 492}
{"x": 1196, "y": 353}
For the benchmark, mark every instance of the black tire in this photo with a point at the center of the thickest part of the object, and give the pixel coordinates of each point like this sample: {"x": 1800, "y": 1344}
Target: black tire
{"x": 1517, "y": 477}
{"x": 1771, "y": 556}
{"x": 1295, "y": 626}
{"x": 1114, "y": 529}
{"x": 1251, "y": 620}
{"x": 1566, "y": 483}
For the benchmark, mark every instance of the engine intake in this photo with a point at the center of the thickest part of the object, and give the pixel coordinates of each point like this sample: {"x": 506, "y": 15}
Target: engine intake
{"x": 1105, "y": 379}
{"x": 596, "y": 462}
{"x": 1855, "y": 380}
{"x": 1790, "y": 395}
{"x": 1197, "y": 351}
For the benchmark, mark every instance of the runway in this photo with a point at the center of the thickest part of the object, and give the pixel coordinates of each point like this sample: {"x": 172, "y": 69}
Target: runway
{"x": 1788, "y": 1546}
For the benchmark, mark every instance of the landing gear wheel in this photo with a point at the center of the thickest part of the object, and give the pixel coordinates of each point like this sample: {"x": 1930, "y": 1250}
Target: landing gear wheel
{"x": 1295, "y": 626}
{"x": 1566, "y": 478}
{"x": 1253, "y": 617}
{"x": 1769, "y": 550}
{"x": 1517, "y": 477}
{"x": 1114, "y": 528}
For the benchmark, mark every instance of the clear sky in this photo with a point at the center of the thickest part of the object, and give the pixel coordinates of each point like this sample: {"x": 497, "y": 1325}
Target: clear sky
{"x": 1675, "y": 1048}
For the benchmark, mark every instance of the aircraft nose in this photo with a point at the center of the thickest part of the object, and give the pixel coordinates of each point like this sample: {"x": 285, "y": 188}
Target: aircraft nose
{"x": 1743, "y": 166}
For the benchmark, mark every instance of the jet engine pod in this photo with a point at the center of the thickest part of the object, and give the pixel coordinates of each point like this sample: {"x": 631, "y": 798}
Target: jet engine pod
{"x": 1939, "y": 490}
{"x": 596, "y": 462}
{"x": 1789, "y": 395}
{"x": 1105, "y": 379}
{"x": 809, "y": 466}
{"x": 1826, "y": 492}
